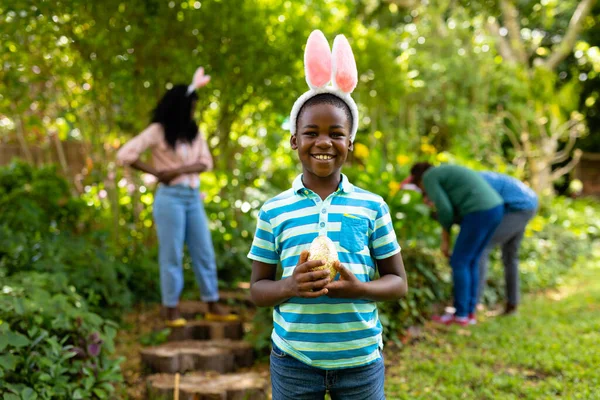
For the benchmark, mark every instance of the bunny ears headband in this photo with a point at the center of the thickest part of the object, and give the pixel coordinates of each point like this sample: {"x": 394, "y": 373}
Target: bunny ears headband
{"x": 198, "y": 81}
{"x": 323, "y": 66}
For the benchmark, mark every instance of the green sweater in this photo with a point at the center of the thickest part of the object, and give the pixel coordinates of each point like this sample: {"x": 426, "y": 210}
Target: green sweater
{"x": 457, "y": 191}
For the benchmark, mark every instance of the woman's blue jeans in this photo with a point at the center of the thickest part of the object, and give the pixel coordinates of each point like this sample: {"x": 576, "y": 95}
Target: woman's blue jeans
{"x": 476, "y": 231}
{"x": 180, "y": 218}
{"x": 293, "y": 380}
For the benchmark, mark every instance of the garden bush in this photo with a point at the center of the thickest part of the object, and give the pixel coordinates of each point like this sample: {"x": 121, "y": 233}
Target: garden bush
{"x": 52, "y": 346}
{"x": 429, "y": 283}
{"x": 45, "y": 228}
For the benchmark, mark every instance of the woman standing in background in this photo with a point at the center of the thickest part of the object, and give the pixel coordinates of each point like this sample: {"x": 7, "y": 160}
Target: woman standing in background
{"x": 179, "y": 154}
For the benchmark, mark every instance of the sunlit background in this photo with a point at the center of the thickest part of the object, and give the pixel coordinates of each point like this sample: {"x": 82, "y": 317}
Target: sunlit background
{"x": 510, "y": 86}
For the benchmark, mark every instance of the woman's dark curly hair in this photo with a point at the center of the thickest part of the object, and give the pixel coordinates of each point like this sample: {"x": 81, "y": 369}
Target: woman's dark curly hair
{"x": 173, "y": 112}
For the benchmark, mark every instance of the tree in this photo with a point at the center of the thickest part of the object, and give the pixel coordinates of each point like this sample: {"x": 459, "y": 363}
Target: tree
{"x": 536, "y": 110}
{"x": 546, "y": 120}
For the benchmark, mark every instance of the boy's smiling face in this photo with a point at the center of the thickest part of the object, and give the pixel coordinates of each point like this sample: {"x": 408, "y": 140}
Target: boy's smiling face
{"x": 322, "y": 139}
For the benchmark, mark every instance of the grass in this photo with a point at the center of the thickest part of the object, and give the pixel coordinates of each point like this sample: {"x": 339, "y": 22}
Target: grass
{"x": 549, "y": 350}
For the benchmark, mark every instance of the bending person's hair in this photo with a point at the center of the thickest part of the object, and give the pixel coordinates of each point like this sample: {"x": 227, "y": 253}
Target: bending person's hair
{"x": 418, "y": 170}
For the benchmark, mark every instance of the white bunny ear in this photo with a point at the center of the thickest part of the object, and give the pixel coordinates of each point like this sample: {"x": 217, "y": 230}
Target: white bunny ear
{"x": 198, "y": 81}
{"x": 317, "y": 60}
{"x": 344, "y": 74}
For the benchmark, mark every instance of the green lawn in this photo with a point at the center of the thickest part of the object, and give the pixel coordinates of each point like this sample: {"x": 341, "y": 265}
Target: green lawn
{"x": 550, "y": 350}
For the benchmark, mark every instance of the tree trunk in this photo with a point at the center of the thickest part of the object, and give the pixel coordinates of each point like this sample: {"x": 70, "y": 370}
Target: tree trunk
{"x": 541, "y": 172}
{"x": 22, "y": 141}
{"x": 60, "y": 151}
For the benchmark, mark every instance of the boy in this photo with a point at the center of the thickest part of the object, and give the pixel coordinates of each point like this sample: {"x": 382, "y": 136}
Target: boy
{"x": 327, "y": 334}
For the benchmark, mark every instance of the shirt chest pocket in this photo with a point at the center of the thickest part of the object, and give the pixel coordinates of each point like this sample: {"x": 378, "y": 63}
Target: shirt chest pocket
{"x": 353, "y": 236}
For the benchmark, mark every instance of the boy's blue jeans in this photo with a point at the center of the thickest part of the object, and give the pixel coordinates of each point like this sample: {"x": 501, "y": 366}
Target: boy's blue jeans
{"x": 293, "y": 380}
{"x": 476, "y": 230}
{"x": 180, "y": 218}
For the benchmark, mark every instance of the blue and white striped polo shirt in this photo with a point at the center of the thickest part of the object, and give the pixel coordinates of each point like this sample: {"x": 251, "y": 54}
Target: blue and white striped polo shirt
{"x": 326, "y": 332}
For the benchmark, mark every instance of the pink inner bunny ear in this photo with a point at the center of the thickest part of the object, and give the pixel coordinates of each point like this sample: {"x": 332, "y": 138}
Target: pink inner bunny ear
{"x": 345, "y": 75}
{"x": 317, "y": 60}
{"x": 198, "y": 76}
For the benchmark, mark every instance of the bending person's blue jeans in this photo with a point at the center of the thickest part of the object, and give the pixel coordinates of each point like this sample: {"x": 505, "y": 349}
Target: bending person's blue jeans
{"x": 293, "y": 380}
{"x": 476, "y": 230}
{"x": 180, "y": 218}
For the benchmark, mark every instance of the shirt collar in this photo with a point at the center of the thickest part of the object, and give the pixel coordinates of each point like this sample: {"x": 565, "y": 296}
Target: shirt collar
{"x": 345, "y": 185}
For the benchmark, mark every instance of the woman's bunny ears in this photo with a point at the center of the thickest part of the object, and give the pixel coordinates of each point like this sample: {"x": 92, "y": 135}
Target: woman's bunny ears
{"x": 323, "y": 66}
{"x": 198, "y": 81}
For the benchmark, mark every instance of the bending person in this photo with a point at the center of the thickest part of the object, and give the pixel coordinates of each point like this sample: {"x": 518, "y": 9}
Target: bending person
{"x": 460, "y": 194}
{"x": 520, "y": 205}
{"x": 179, "y": 154}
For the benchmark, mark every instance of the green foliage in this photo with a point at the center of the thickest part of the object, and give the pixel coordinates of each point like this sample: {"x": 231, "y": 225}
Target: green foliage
{"x": 33, "y": 199}
{"x": 155, "y": 338}
{"x": 429, "y": 282}
{"x": 46, "y": 229}
{"x": 52, "y": 345}
{"x": 260, "y": 335}
{"x": 124, "y": 212}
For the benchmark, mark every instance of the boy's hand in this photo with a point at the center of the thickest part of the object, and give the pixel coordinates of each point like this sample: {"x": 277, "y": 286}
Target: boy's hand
{"x": 348, "y": 286}
{"x": 307, "y": 283}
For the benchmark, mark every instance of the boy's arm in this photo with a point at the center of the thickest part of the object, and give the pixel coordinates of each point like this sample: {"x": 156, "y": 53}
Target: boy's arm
{"x": 265, "y": 291}
{"x": 392, "y": 283}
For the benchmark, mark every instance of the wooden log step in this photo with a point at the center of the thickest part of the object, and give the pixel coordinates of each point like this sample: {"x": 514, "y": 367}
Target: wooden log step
{"x": 203, "y": 386}
{"x": 212, "y": 355}
{"x": 236, "y": 296}
{"x": 190, "y": 309}
{"x": 206, "y": 330}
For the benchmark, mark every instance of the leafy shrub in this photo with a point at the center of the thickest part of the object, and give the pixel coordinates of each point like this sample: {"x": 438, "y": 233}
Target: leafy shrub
{"x": 95, "y": 272}
{"x": 260, "y": 333}
{"x": 38, "y": 200}
{"x": 124, "y": 213}
{"x": 46, "y": 229}
{"x": 232, "y": 232}
{"x": 52, "y": 345}
{"x": 429, "y": 283}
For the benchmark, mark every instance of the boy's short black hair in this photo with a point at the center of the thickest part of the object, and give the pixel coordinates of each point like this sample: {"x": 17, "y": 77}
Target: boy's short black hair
{"x": 418, "y": 170}
{"x": 326, "y": 98}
